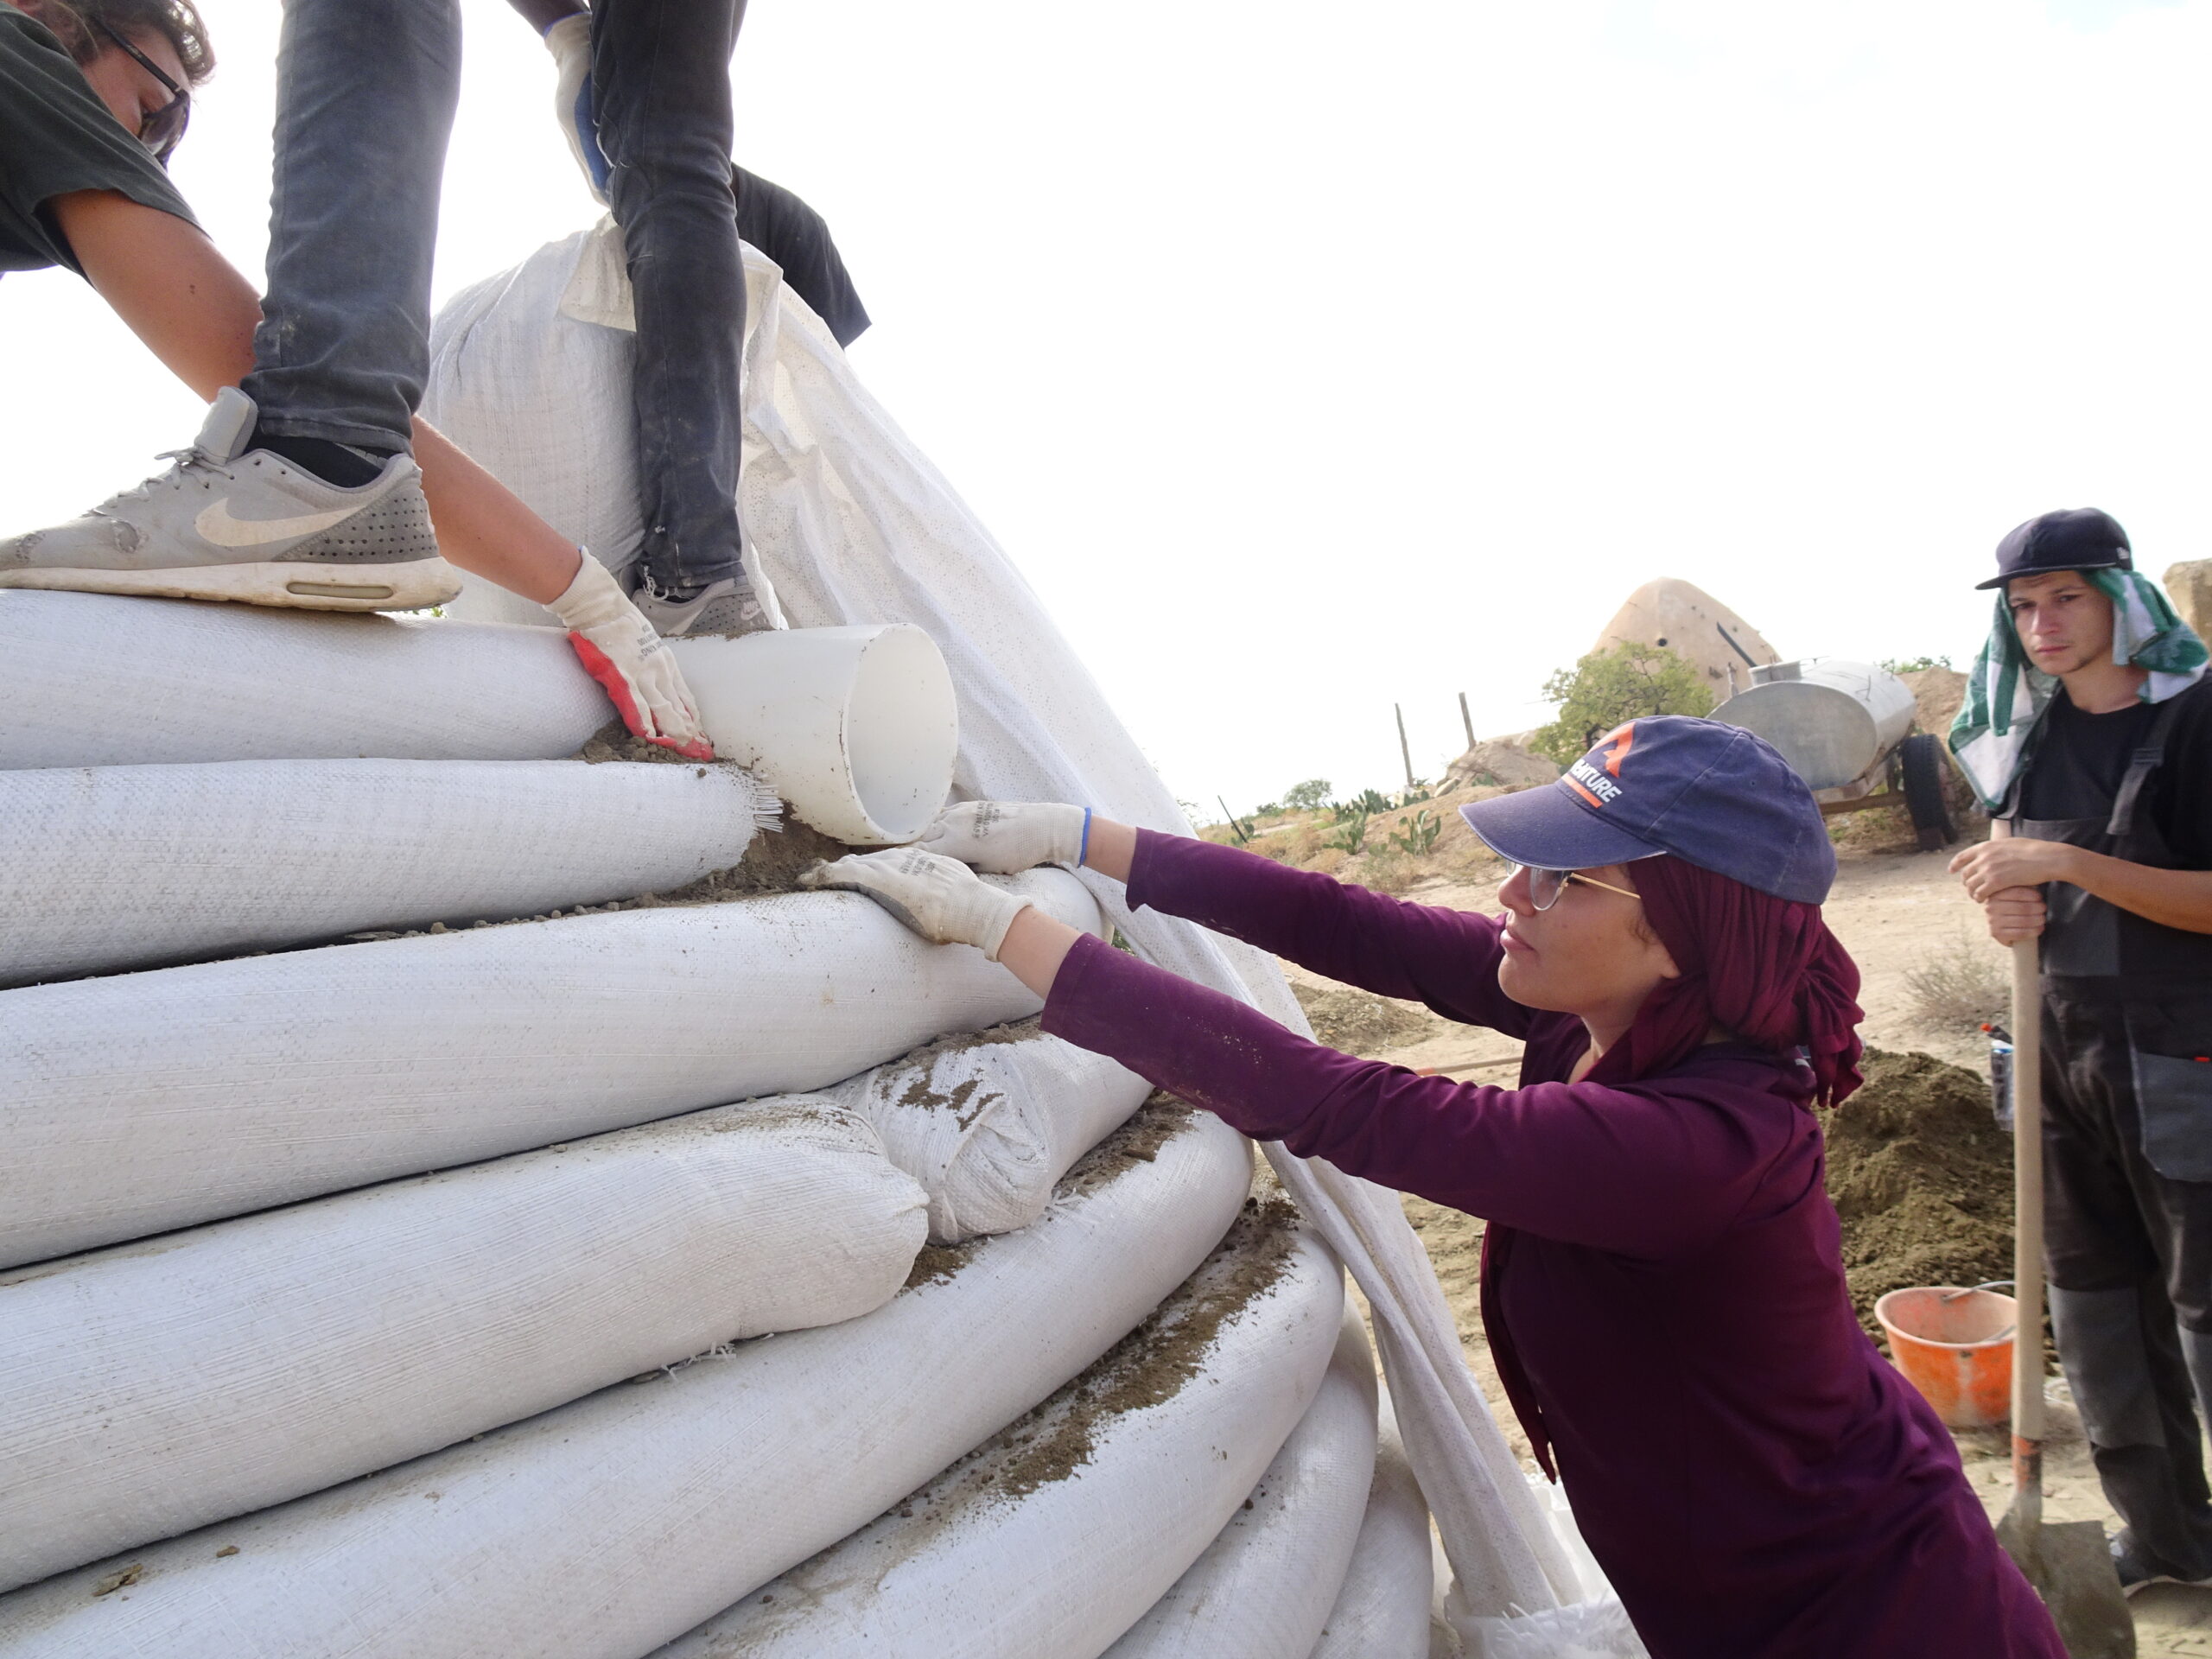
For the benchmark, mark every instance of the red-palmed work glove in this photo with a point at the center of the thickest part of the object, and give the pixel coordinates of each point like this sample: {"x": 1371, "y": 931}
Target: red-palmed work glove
{"x": 1004, "y": 837}
{"x": 619, "y": 648}
{"x": 939, "y": 898}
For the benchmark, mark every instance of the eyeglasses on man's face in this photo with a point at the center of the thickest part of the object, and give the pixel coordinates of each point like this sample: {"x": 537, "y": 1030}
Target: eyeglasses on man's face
{"x": 160, "y": 129}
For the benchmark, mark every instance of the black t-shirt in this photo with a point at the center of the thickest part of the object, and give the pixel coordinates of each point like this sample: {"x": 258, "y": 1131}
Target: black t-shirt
{"x": 57, "y": 137}
{"x": 2079, "y": 759}
{"x": 783, "y": 227}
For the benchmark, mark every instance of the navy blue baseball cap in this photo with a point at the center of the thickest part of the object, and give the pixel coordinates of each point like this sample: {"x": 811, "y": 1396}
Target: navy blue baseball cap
{"x": 2073, "y": 538}
{"x": 1714, "y": 796}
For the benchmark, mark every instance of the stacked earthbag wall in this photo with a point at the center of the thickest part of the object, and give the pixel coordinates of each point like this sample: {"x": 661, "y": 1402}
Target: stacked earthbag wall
{"x": 426, "y": 1312}
{"x": 605, "y": 1528}
{"x": 850, "y": 523}
{"x": 144, "y": 1101}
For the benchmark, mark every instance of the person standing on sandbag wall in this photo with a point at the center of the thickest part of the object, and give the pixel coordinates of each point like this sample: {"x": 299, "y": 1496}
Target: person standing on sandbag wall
{"x": 644, "y": 98}
{"x": 303, "y": 489}
{"x": 2088, "y": 732}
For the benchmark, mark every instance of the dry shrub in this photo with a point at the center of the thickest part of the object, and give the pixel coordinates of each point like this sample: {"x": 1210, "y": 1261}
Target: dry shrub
{"x": 1959, "y": 987}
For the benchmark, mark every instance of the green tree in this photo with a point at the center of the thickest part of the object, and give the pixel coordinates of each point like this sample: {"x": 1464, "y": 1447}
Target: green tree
{"x": 1308, "y": 797}
{"x": 1623, "y": 682}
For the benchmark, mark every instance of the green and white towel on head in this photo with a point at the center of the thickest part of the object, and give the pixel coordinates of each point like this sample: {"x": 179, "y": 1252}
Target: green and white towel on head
{"x": 2006, "y": 695}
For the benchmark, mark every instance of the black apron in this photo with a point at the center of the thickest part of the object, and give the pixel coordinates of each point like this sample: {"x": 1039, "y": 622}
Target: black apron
{"x": 2157, "y": 979}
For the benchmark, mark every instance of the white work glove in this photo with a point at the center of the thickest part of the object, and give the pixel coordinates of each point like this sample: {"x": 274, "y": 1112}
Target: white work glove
{"x": 619, "y": 648}
{"x": 569, "y": 42}
{"x": 939, "y": 898}
{"x": 1007, "y": 836}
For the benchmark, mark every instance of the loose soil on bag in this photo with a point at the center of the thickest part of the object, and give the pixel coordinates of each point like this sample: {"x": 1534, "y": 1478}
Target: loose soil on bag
{"x": 1159, "y": 1120}
{"x": 773, "y": 864}
{"x": 1921, "y": 1178}
{"x": 613, "y": 741}
{"x": 1150, "y": 1366}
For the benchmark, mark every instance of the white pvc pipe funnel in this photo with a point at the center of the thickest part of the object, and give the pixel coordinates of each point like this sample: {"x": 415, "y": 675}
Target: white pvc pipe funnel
{"x": 856, "y": 727}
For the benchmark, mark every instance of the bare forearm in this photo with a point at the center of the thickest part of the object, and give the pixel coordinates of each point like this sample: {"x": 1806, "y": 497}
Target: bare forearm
{"x": 483, "y": 527}
{"x": 1035, "y": 946}
{"x": 1112, "y": 847}
{"x": 2178, "y": 899}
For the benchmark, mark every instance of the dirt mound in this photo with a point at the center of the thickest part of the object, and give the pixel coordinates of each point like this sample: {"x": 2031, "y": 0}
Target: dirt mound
{"x": 1936, "y": 695}
{"x": 1358, "y": 1023}
{"x": 1922, "y": 1178}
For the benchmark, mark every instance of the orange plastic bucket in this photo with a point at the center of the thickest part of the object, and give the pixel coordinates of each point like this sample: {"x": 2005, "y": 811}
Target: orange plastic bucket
{"x": 1956, "y": 1350}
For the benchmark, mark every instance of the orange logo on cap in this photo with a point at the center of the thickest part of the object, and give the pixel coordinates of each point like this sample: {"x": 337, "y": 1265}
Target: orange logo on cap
{"x": 1623, "y": 737}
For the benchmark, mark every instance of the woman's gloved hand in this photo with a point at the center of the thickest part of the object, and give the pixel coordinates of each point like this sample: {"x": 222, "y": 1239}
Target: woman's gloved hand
{"x": 1004, "y": 837}
{"x": 619, "y": 648}
{"x": 939, "y": 898}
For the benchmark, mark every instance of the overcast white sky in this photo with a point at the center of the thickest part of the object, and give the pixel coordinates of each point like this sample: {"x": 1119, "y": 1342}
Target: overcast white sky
{"x": 1312, "y": 358}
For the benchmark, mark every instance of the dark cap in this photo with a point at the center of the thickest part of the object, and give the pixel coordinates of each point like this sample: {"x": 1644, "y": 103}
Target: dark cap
{"x": 1714, "y": 796}
{"x": 2072, "y": 538}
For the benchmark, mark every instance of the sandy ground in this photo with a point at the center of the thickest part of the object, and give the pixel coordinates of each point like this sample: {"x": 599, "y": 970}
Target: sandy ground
{"x": 1896, "y": 911}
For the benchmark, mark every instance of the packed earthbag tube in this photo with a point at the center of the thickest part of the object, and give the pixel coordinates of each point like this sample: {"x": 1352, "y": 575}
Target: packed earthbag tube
{"x": 1269, "y": 1583}
{"x": 115, "y": 868}
{"x": 606, "y": 1528}
{"x": 855, "y": 726}
{"x": 1060, "y": 1532}
{"x": 239, "y": 1364}
{"x": 138, "y": 1102}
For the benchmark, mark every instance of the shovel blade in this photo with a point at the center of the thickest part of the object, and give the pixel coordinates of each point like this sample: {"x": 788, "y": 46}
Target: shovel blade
{"x": 2071, "y": 1567}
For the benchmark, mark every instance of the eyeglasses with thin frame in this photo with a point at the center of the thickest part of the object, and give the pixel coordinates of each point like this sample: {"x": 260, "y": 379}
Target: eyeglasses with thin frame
{"x": 1546, "y": 885}
{"x": 162, "y": 129}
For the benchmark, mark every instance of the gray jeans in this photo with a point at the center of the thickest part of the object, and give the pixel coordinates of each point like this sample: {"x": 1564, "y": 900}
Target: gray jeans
{"x": 661, "y": 100}
{"x": 365, "y": 94}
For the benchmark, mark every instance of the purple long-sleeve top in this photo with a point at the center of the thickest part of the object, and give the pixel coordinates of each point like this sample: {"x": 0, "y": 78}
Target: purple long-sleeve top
{"x": 1662, "y": 1289}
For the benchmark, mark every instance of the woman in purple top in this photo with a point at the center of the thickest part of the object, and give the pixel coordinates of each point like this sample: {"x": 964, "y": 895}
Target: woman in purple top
{"x": 1661, "y": 1284}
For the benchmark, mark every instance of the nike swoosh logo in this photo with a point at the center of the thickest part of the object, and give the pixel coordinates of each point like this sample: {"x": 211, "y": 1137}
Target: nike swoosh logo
{"x": 217, "y": 525}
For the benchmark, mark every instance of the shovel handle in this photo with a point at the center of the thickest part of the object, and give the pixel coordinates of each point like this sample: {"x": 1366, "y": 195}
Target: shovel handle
{"x": 2027, "y": 1226}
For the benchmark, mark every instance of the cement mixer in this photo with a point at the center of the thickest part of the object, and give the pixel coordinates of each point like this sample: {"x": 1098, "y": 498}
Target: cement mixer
{"x": 1845, "y": 728}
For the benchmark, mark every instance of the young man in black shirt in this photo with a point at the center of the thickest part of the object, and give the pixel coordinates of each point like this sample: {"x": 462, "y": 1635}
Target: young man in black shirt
{"x": 2109, "y": 862}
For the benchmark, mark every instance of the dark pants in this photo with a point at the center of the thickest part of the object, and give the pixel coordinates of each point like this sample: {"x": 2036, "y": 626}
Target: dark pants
{"x": 2129, "y": 1249}
{"x": 365, "y": 94}
{"x": 661, "y": 100}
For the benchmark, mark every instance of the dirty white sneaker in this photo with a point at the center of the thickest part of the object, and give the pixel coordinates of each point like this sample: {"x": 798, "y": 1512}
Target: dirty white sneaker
{"x": 729, "y": 608}
{"x": 229, "y": 523}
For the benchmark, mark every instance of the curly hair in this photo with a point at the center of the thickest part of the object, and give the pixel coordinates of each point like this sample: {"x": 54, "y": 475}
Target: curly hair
{"x": 79, "y": 25}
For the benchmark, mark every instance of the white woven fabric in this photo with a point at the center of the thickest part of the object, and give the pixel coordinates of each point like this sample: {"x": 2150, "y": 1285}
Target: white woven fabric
{"x": 130, "y": 867}
{"x": 92, "y": 680}
{"x": 852, "y": 524}
{"x": 1265, "y": 1586}
{"x": 1012, "y": 1554}
{"x": 987, "y": 1127}
{"x": 605, "y": 1528}
{"x": 1383, "y": 1611}
{"x": 144, "y": 1101}
{"x": 147, "y": 1392}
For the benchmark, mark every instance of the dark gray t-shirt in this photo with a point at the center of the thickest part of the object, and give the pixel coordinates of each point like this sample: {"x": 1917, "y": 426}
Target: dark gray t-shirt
{"x": 57, "y": 137}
